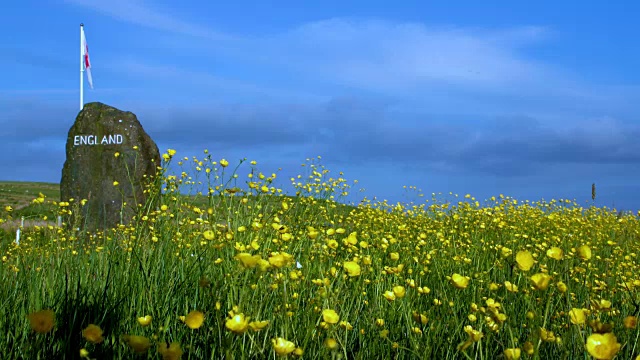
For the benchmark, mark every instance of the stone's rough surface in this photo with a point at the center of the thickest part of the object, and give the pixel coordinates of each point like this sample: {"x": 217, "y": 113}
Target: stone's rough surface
{"x": 91, "y": 168}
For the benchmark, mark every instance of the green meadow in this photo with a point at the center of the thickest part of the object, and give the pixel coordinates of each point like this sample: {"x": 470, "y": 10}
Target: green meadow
{"x": 228, "y": 265}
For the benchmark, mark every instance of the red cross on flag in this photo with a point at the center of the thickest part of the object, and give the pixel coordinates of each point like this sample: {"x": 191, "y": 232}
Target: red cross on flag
{"x": 85, "y": 56}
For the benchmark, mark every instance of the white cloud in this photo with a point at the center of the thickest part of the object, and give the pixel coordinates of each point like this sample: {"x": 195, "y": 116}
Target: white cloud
{"x": 363, "y": 53}
{"x": 461, "y": 68}
{"x": 140, "y": 13}
{"x": 199, "y": 80}
{"x": 385, "y": 55}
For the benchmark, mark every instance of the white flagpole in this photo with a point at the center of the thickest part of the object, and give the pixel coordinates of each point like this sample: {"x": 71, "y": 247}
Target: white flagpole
{"x": 81, "y": 65}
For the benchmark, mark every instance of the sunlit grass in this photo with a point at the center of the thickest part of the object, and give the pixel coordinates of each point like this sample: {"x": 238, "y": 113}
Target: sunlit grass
{"x": 228, "y": 266}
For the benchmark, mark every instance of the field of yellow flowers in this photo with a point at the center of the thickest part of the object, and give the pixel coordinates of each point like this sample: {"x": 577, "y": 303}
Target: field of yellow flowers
{"x": 232, "y": 268}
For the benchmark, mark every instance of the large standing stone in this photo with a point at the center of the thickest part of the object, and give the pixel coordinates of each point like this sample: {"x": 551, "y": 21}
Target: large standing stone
{"x": 99, "y": 133}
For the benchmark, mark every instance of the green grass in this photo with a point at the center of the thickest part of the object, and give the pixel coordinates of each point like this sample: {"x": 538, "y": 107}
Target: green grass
{"x": 21, "y": 193}
{"x": 19, "y": 196}
{"x": 183, "y": 257}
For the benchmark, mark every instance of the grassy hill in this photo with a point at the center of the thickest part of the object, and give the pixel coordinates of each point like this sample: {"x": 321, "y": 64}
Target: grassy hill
{"x": 19, "y": 194}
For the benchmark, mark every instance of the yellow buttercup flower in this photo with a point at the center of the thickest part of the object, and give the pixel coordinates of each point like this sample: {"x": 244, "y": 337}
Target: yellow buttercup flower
{"x": 138, "y": 344}
{"x": 352, "y": 268}
{"x": 194, "y": 319}
{"x": 601, "y": 304}
{"x": 530, "y": 315}
{"x": 474, "y": 335}
{"x": 208, "y": 234}
{"x": 512, "y": 354}
{"x": 505, "y": 252}
{"x": 419, "y": 318}
{"x": 347, "y": 325}
{"x": 562, "y": 287}
{"x": 170, "y": 352}
{"x": 555, "y": 253}
{"x": 524, "y": 260}
{"x": 312, "y": 233}
{"x": 459, "y": 281}
{"x": 280, "y": 259}
{"x": 492, "y": 304}
{"x": 247, "y": 260}
{"x": 603, "y": 346}
{"x": 352, "y": 239}
{"x": 238, "y": 323}
{"x": 144, "y": 320}
{"x": 511, "y": 287}
{"x": 258, "y": 325}
{"x": 330, "y": 316}
{"x": 331, "y": 343}
{"x": 547, "y": 335}
{"x": 224, "y": 163}
{"x": 528, "y": 348}
{"x": 584, "y": 252}
{"x": 282, "y": 346}
{"x": 578, "y": 316}
{"x": 389, "y": 295}
{"x": 399, "y": 291}
{"x": 540, "y": 281}
{"x": 93, "y": 334}
{"x": 41, "y": 321}
{"x": 84, "y": 353}
{"x": 264, "y": 265}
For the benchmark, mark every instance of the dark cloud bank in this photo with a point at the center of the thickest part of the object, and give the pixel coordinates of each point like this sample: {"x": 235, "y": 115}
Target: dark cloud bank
{"x": 352, "y": 133}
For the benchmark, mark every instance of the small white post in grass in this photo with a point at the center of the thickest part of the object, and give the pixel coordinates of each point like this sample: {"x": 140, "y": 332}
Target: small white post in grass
{"x": 59, "y": 221}
{"x": 18, "y": 231}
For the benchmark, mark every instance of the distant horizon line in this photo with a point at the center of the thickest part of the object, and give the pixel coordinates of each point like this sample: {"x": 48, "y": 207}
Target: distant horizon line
{"x": 520, "y": 201}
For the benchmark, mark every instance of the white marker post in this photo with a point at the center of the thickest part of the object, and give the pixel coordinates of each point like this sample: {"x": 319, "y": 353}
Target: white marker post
{"x": 18, "y": 231}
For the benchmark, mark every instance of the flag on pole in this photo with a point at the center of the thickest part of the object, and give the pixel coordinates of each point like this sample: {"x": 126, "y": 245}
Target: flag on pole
{"x": 85, "y": 57}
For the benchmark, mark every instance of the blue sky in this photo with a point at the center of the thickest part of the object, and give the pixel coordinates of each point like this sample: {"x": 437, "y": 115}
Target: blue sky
{"x": 535, "y": 101}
